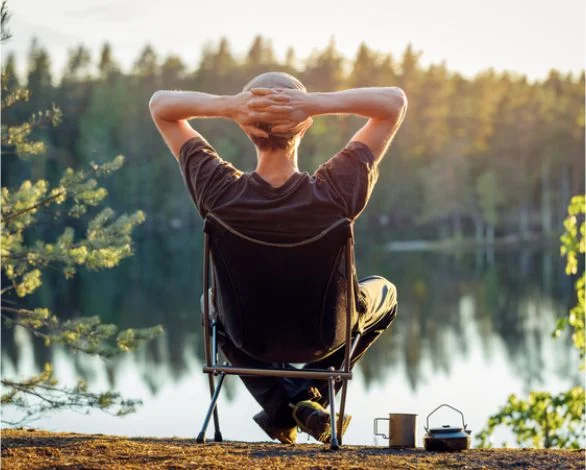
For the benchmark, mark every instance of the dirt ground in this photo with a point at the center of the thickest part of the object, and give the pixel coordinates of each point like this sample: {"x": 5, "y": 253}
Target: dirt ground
{"x": 34, "y": 449}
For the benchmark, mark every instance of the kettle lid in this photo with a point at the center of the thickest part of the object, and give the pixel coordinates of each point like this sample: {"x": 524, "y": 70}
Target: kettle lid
{"x": 446, "y": 429}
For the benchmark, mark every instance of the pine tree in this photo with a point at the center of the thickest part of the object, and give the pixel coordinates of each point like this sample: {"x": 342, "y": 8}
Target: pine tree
{"x": 107, "y": 66}
{"x": 98, "y": 243}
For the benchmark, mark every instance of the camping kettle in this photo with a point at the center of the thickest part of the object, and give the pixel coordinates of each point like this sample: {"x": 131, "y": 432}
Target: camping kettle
{"x": 447, "y": 438}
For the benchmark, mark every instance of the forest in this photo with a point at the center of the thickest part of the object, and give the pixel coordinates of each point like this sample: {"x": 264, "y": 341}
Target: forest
{"x": 494, "y": 156}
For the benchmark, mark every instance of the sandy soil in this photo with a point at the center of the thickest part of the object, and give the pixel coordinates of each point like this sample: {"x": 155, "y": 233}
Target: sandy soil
{"x": 34, "y": 449}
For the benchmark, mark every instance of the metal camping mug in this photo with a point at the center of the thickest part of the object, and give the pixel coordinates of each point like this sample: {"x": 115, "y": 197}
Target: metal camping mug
{"x": 401, "y": 429}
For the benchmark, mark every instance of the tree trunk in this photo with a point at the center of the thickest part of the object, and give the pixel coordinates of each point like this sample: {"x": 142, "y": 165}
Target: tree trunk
{"x": 478, "y": 229}
{"x": 565, "y": 192}
{"x": 524, "y": 220}
{"x": 443, "y": 230}
{"x": 490, "y": 235}
{"x": 457, "y": 223}
{"x": 548, "y": 274}
{"x": 525, "y": 262}
{"x": 490, "y": 243}
{"x": 546, "y": 209}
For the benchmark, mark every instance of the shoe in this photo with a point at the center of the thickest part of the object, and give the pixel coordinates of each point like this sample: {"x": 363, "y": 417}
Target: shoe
{"x": 285, "y": 435}
{"x": 313, "y": 419}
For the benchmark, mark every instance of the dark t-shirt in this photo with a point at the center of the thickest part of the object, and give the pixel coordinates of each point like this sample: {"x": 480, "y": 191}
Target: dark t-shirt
{"x": 300, "y": 208}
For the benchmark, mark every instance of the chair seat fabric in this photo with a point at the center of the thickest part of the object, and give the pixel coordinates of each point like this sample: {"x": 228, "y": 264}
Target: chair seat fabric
{"x": 281, "y": 302}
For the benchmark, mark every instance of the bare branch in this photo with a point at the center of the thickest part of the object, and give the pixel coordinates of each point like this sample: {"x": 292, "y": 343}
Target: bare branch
{"x": 5, "y": 15}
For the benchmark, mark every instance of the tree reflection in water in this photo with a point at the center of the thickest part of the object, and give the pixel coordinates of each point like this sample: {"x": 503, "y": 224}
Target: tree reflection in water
{"x": 512, "y": 298}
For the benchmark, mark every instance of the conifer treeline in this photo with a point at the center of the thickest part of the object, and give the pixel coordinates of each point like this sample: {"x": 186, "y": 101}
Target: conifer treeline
{"x": 493, "y": 154}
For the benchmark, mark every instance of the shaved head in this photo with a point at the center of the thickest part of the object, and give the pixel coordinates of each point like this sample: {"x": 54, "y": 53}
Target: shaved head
{"x": 274, "y": 80}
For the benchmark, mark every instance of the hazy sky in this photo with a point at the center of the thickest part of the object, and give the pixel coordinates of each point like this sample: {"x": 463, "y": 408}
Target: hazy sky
{"x": 527, "y": 36}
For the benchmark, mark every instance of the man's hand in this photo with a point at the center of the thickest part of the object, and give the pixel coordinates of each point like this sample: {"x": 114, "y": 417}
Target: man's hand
{"x": 295, "y": 120}
{"x": 245, "y": 110}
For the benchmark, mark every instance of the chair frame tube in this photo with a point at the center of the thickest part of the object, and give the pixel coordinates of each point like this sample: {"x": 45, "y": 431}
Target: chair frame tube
{"x": 214, "y": 393}
{"x": 298, "y": 374}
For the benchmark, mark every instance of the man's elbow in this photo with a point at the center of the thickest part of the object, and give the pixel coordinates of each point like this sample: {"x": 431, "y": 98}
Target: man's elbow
{"x": 155, "y": 103}
{"x": 396, "y": 102}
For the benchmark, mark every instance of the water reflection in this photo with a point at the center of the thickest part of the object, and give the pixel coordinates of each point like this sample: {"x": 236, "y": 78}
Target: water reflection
{"x": 515, "y": 299}
{"x": 452, "y": 307}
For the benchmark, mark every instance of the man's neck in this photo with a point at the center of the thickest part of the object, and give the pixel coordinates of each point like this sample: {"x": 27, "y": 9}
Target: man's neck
{"x": 277, "y": 166}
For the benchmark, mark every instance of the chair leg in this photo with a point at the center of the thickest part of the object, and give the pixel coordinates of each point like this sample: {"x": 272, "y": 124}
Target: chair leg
{"x": 342, "y": 406}
{"x": 332, "y": 396}
{"x": 217, "y": 432}
{"x": 344, "y": 388}
{"x": 201, "y": 437}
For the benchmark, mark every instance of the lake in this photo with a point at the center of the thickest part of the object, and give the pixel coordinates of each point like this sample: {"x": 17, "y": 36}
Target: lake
{"x": 472, "y": 328}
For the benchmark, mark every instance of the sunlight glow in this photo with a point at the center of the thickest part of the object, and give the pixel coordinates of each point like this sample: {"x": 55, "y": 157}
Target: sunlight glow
{"x": 524, "y": 36}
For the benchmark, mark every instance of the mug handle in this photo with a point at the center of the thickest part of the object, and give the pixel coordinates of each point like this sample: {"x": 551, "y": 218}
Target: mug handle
{"x": 376, "y": 433}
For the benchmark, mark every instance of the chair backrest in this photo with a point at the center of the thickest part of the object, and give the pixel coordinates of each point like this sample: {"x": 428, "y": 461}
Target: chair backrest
{"x": 283, "y": 302}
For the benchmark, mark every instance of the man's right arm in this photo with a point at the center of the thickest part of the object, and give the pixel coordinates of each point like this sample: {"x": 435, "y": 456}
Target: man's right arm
{"x": 385, "y": 108}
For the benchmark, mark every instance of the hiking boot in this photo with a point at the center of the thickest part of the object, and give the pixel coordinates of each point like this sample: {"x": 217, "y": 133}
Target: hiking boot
{"x": 313, "y": 419}
{"x": 285, "y": 435}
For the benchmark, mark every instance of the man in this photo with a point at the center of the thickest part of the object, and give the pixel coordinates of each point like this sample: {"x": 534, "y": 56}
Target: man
{"x": 277, "y": 200}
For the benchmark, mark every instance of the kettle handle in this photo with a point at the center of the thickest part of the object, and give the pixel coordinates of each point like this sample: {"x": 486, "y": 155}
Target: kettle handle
{"x": 449, "y": 406}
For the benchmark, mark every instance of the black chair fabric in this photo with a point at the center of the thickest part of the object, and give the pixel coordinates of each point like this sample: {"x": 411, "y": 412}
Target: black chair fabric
{"x": 284, "y": 302}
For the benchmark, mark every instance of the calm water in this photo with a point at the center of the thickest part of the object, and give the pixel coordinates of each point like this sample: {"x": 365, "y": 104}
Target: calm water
{"x": 471, "y": 330}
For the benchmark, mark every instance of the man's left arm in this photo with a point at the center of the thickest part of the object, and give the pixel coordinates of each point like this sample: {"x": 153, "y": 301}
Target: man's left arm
{"x": 171, "y": 111}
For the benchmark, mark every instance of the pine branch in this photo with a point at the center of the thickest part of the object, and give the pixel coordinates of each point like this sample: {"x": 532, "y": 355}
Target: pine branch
{"x": 23, "y": 387}
{"x": 6, "y": 289}
{"x": 50, "y": 397}
{"x": 36, "y": 206}
{"x": 87, "y": 334}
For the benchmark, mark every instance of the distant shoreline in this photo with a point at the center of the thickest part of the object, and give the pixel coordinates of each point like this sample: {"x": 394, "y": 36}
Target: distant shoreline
{"x": 466, "y": 244}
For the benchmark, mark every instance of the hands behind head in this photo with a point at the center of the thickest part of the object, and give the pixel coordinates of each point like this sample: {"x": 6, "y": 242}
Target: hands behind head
{"x": 278, "y": 108}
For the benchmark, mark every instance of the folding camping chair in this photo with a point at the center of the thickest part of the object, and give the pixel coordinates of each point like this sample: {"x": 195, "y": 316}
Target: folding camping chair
{"x": 302, "y": 293}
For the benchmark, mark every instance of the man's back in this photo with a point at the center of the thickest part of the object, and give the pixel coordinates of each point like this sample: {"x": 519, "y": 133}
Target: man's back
{"x": 302, "y": 207}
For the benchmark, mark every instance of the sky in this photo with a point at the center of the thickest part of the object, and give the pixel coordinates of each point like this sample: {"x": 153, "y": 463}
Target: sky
{"x": 526, "y": 36}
